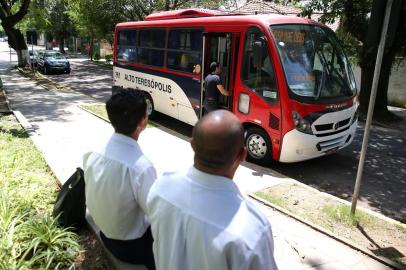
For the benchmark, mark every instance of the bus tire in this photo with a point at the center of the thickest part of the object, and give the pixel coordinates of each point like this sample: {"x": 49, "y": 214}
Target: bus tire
{"x": 259, "y": 147}
{"x": 150, "y": 106}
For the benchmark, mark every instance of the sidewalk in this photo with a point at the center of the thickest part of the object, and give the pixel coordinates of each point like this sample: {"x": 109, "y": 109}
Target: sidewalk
{"x": 64, "y": 132}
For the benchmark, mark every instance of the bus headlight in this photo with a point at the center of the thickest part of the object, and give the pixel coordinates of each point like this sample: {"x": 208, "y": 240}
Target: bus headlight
{"x": 301, "y": 124}
{"x": 355, "y": 117}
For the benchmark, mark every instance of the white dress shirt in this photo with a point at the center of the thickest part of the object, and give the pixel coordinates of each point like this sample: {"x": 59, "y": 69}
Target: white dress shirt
{"x": 202, "y": 221}
{"x": 118, "y": 178}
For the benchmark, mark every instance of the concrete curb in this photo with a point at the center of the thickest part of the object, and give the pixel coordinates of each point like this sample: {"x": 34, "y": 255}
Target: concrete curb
{"x": 330, "y": 234}
{"x": 95, "y": 114}
{"x": 59, "y": 87}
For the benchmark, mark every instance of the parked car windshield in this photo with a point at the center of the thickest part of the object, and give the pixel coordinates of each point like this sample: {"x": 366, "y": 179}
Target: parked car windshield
{"x": 314, "y": 62}
{"x": 54, "y": 55}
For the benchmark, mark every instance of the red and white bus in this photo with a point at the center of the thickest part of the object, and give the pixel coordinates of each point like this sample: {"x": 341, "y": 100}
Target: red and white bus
{"x": 290, "y": 83}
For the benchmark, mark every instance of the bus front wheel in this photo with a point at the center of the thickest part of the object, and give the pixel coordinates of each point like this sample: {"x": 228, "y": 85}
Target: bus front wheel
{"x": 258, "y": 145}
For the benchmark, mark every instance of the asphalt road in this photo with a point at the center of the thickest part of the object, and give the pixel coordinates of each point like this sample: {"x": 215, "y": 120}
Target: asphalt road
{"x": 384, "y": 183}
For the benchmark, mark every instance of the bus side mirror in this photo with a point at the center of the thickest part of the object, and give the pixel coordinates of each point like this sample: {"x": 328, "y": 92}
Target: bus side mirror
{"x": 258, "y": 49}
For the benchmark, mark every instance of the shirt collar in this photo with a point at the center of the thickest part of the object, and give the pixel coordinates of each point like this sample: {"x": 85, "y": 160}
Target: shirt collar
{"x": 211, "y": 180}
{"x": 125, "y": 139}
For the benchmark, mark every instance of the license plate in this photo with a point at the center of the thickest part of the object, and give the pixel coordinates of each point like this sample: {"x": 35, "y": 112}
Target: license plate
{"x": 331, "y": 151}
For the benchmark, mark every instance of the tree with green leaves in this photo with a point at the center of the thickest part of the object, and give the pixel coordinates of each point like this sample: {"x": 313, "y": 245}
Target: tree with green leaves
{"x": 11, "y": 13}
{"x": 88, "y": 18}
{"x": 60, "y": 24}
{"x": 50, "y": 17}
{"x": 359, "y": 30}
{"x": 96, "y": 19}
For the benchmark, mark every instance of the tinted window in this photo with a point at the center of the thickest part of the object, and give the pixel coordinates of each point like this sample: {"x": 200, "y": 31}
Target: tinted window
{"x": 151, "y": 49}
{"x": 184, "y": 49}
{"x": 257, "y": 70}
{"x": 127, "y": 38}
{"x": 185, "y": 39}
{"x": 126, "y": 50}
{"x": 152, "y": 38}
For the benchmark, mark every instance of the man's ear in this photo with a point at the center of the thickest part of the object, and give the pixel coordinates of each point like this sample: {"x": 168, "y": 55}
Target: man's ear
{"x": 192, "y": 143}
{"x": 242, "y": 155}
{"x": 144, "y": 122}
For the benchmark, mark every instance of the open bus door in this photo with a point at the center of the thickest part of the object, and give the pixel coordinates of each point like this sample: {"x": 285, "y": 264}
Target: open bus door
{"x": 219, "y": 47}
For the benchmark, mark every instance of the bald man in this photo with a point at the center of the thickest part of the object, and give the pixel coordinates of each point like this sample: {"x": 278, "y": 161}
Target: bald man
{"x": 199, "y": 219}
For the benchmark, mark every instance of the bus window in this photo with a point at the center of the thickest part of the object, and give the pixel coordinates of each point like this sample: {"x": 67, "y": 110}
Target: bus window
{"x": 258, "y": 74}
{"x": 151, "y": 49}
{"x": 126, "y": 42}
{"x": 184, "y": 49}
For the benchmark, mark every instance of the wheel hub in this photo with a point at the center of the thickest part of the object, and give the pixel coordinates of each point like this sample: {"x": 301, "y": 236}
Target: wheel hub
{"x": 256, "y": 146}
{"x": 149, "y": 107}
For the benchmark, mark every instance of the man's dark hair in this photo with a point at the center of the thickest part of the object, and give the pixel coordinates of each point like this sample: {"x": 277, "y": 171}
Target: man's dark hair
{"x": 125, "y": 110}
{"x": 213, "y": 66}
{"x": 217, "y": 145}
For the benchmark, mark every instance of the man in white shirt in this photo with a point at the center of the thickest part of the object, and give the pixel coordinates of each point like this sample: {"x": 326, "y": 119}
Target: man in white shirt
{"x": 199, "y": 218}
{"x": 118, "y": 178}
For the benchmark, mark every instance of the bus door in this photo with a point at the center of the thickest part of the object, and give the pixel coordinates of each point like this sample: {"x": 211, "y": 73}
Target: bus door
{"x": 218, "y": 47}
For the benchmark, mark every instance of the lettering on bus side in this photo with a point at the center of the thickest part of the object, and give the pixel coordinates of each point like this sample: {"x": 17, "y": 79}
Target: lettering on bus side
{"x": 148, "y": 83}
{"x": 117, "y": 75}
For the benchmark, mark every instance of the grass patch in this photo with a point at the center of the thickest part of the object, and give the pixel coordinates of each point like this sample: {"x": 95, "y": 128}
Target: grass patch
{"x": 341, "y": 213}
{"x": 279, "y": 201}
{"x": 380, "y": 236}
{"x": 29, "y": 237}
{"x": 96, "y": 109}
{"x": 397, "y": 103}
{"x": 100, "y": 111}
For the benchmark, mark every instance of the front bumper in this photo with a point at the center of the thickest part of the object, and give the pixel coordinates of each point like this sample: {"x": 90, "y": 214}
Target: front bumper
{"x": 298, "y": 146}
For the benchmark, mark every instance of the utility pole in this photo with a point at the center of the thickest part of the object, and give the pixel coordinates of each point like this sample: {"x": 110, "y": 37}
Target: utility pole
{"x": 371, "y": 106}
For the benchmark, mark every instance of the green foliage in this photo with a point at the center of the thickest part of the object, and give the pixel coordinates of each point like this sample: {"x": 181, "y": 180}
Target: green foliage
{"x": 108, "y": 57}
{"x": 351, "y": 46}
{"x": 49, "y": 16}
{"x": 29, "y": 237}
{"x": 279, "y": 201}
{"x": 96, "y": 56}
{"x": 97, "y": 18}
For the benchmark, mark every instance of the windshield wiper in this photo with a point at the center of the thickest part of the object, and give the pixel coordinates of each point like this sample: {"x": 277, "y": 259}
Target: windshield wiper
{"x": 323, "y": 75}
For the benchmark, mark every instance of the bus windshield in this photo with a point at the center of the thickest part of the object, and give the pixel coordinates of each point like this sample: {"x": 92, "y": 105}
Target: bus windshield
{"x": 315, "y": 66}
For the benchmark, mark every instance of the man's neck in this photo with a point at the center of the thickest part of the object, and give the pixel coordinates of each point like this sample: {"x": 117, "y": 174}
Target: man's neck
{"x": 133, "y": 135}
{"x": 215, "y": 171}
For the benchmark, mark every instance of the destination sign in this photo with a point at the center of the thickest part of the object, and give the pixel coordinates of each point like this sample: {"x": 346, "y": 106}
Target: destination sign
{"x": 290, "y": 36}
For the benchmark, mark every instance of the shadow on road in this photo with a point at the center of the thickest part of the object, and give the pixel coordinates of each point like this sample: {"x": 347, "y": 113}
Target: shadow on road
{"x": 384, "y": 180}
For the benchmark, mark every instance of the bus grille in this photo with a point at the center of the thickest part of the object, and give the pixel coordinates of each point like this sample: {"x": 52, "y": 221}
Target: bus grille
{"x": 331, "y": 144}
{"x": 324, "y": 127}
{"x": 332, "y": 128}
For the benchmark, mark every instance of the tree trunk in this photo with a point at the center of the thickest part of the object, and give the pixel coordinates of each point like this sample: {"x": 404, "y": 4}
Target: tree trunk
{"x": 62, "y": 45}
{"x": 91, "y": 47}
{"x": 394, "y": 42}
{"x": 17, "y": 42}
{"x": 381, "y": 112}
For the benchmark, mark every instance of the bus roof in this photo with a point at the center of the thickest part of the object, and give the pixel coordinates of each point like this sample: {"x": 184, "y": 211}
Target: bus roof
{"x": 200, "y": 17}
{"x": 183, "y": 13}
